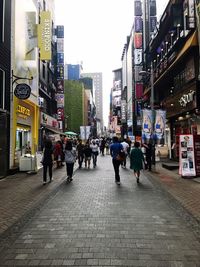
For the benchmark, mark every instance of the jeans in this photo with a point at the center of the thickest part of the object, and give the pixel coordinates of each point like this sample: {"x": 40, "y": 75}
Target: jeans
{"x": 116, "y": 164}
{"x": 94, "y": 158}
{"x": 80, "y": 160}
{"x": 45, "y": 167}
{"x": 70, "y": 168}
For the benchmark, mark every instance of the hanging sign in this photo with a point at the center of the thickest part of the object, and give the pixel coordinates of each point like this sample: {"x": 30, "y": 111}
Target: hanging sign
{"x": 22, "y": 91}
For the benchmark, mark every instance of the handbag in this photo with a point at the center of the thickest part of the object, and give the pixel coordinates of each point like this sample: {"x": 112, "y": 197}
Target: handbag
{"x": 121, "y": 156}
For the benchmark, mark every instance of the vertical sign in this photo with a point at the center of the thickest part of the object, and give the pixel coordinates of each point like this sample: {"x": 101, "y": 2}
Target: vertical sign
{"x": 147, "y": 119}
{"x": 159, "y": 126}
{"x": 186, "y": 156}
{"x": 44, "y": 35}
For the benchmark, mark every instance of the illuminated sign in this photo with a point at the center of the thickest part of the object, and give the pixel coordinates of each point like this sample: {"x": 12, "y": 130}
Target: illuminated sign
{"x": 187, "y": 98}
{"x": 23, "y": 112}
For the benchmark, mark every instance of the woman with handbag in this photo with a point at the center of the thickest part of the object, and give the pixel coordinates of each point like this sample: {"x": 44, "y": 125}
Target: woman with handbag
{"x": 116, "y": 152}
{"x": 47, "y": 161}
{"x": 70, "y": 159}
{"x": 136, "y": 160}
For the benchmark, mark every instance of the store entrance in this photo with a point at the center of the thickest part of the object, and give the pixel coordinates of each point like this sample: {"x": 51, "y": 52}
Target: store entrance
{"x": 23, "y": 137}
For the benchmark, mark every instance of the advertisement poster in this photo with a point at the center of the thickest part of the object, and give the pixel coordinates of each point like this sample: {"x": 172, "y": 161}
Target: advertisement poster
{"x": 146, "y": 125}
{"x": 159, "y": 127}
{"x": 186, "y": 155}
{"x": 197, "y": 153}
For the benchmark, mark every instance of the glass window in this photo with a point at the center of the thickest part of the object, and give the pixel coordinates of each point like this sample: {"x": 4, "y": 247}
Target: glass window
{"x": 2, "y": 89}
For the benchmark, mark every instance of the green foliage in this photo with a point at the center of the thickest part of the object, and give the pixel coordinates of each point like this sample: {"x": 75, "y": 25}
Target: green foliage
{"x": 74, "y": 105}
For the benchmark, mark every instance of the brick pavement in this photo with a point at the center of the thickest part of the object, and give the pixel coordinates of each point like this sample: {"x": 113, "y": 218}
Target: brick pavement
{"x": 21, "y": 193}
{"x": 94, "y": 222}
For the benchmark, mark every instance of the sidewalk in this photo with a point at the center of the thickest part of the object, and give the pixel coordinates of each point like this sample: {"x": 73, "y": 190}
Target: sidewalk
{"x": 185, "y": 191}
{"x": 22, "y": 194}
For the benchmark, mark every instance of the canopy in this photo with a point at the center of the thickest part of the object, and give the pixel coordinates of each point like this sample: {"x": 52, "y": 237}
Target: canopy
{"x": 70, "y": 133}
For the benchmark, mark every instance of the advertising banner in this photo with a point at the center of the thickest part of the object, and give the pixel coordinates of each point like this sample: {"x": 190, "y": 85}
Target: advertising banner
{"x": 138, "y": 40}
{"x": 138, "y": 8}
{"x": 31, "y": 35}
{"x": 60, "y": 72}
{"x": 197, "y": 153}
{"x": 44, "y": 35}
{"x": 123, "y": 111}
{"x": 186, "y": 155}
{"x": 138, "y": 24}
{"x": 82, "y": 132}
{"x": 60, "y": 114}
{"x": 147, "y": 124}
{"x": 60, "y": 100}
{"x": 159, "y": 126}
{"x": 60, "y": 86}
{"x": 60, "y": 45}
{"x": 60, "y": 31}
{"x": 60, "y": 58}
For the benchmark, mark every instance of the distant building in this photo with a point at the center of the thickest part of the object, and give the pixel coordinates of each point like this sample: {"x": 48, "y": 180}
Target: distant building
{"x": 72, "y": 72}
{"x": 98, "y": 93}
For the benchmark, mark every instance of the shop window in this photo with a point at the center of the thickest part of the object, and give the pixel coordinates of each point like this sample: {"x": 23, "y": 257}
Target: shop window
{"x": 2, "y": 89}
{"x": 2, "y": 18}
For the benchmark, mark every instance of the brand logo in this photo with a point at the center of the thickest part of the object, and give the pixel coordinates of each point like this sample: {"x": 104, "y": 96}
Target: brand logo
{"x": 187, "y": 98}
{"x": 22, "y": 91}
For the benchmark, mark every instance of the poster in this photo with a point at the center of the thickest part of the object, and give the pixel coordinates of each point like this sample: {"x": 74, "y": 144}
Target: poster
{"x": 159, "y": 126}
{"x": 146, "y": 125}
{"x": 186, "y": 155}
{"x": 197, "y": 153}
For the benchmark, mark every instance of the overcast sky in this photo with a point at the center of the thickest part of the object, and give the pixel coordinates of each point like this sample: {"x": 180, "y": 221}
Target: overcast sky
{"x": 95, "y": 34}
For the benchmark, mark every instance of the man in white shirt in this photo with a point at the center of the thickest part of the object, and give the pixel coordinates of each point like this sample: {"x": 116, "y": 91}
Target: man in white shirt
{"x": 125, "y": 148}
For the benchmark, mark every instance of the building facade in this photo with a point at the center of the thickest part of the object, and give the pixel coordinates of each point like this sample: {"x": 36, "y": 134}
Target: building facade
{"x": 98, "y": 93}
{"x": 5, "y": 66}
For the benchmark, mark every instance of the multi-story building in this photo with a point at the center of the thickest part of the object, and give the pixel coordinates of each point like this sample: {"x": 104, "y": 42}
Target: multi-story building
{"x": 98, "y": 93}
{"x": 175, "y": 59}
{"x": 5, "y": 54}
{"x": 73, "y": 72}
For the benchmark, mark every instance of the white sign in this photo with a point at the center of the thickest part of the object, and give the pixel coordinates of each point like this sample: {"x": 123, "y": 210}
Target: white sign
{"x": 138, "y": 56}
{"x": 187, "y": 98}
{"x": 186, "y": 155}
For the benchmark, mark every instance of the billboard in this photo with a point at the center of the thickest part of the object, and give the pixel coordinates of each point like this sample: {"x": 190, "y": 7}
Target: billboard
{"x": 147, "y": 123}
{"x": 138, "y": 24}
{"x": 159, "y": 126}
{"x": 138, "y": 40}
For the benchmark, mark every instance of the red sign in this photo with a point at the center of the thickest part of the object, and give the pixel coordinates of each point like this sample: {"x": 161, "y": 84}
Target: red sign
{"x": 60, "y": 114}
{"x": 138, "y": 40}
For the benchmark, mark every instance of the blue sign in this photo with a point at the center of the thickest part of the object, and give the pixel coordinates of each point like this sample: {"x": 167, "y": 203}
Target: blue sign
{"x": 60, "y": 58}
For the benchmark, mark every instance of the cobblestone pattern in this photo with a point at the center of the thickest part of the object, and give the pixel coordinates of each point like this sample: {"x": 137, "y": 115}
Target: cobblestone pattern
{"x": 94, "y": 222}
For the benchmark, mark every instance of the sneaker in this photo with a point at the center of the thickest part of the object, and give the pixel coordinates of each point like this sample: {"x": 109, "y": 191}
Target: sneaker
{"x": 71, "y": 179}
{"x": 44, "y": 183}
{"x": 51, "y": 179}
{"x": 118, "y": 183}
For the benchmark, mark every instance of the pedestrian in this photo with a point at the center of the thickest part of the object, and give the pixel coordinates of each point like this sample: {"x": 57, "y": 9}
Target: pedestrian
{"x": 70, "y": 159}
{"x": 87, "y": 155}
{"x": 115, "y": 149}
{"x": 102, "y": 146}
{"x": 58, "y": 153}
{"x": 136, "y": 160}
{"x": 95, "y": 152}
{"x": 47, "y": 161}
{"x": 80, "y": 152}
{"x": 148, "y": 153}
{"x": 126, "y": 149}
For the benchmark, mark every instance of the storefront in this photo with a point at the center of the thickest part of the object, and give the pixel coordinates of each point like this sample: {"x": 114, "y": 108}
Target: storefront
{"x": 25, "y": 130}
{"x": 183, "y": 116}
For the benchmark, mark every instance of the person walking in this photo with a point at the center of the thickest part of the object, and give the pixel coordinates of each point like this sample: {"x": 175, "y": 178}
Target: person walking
{"x": 47, "y": 161}
{"x": 70, "y": 159}
{"x": 87, "y": 155}
{"x": 136, "y": 160}
{"x": 58, "y": 153}
{"x": 125, "y": 148}
{"x": 95, "y": 152}
{"x": 148, "y": 153}
{"x": 80, "y": 151}
{"x": 115, "y": 149}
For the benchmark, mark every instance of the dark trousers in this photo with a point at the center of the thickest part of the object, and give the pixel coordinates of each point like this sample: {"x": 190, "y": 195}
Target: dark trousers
{"x": 70, "y": 168}
{"x": 149, "y": 162}
{"x": 116, "y": 164}
{"x": 45, "y": 167}
{"x": 80, "y": 160}
{"x": 124, "y": 161}
{"x": 94, "y": 158}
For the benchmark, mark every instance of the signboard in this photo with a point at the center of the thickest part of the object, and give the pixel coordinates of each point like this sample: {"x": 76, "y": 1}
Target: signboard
{"x": 60, "y": 58}
{"x": 60, "y": 72}
{"x": 60, "y": 114}
{"x": 60, "y": 45}
{"x": 138, "y": 56}
{"x": 138, "y": 40}
{"x": 60, "y": 86}
{"x": 153, "y": 22}
{"x": 123, "y": 111}
{"x": 60, "y": 31}
{"x": 138, "y": 8}
{"x": 49, "y": 121}
{"x": 44, "y": 35}
{"x": 186, "y": 156}
{"x": 22, "y": 91}
{"x": 60, "y": 100}
{"x": 138, "y": 24}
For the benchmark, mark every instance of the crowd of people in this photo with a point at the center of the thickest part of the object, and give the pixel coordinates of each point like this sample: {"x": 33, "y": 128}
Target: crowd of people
{"x": 66, "y": 151}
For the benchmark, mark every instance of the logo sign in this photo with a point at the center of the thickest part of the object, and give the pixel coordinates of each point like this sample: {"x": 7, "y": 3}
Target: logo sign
{"x": 187, "y": 98}
{"x": 22, "y": 91}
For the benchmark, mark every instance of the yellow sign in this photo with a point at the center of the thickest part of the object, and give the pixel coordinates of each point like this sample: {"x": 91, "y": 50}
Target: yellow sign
{"x": 44, "y": 35}
{"x": 24, "y": 111}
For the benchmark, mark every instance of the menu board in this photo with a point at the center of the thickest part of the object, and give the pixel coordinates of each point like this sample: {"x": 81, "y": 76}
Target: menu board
{"x": 197, "y": 153}
{"x": 186, "y": 155}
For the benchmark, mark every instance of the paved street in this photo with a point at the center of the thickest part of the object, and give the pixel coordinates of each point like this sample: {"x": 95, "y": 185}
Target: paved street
{"x": 94, "y": 222}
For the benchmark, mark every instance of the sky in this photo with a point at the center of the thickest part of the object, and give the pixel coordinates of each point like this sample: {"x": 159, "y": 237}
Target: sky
{"x": 95, "y": 34}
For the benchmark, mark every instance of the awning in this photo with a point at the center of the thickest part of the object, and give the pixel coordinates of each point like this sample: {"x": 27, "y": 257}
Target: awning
{"x": 192, "y": 41}
{"x": 53, "y": 130}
